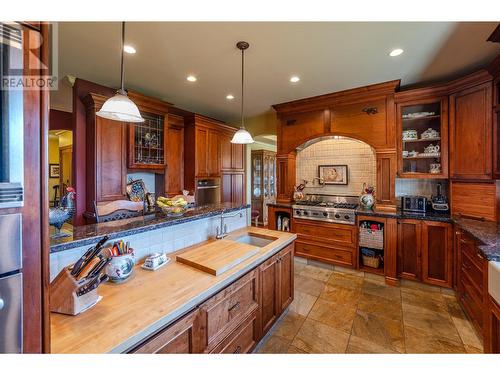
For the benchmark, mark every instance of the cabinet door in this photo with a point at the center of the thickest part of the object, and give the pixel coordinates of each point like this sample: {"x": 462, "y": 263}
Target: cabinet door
{"x": 185, "y": 336}
{"x": 238, "y": 157}
{"x": 471, "y": 132}
{"x": 269, "y": 283}
{"x": 409, "y": 245}
{"x": 238, "y": 188}
{"x": 111, "y": 169}
{"x": 492, "y": 340}
{"x": 437, "y": 253}
{"x": 213, "y": 153}
{"x": 201, "y": 150}
{"x": 227, "y": 187}
{"x": 175, "y": 159}
{"x": 285, "y": 261}
{"x": 226, "y": 151}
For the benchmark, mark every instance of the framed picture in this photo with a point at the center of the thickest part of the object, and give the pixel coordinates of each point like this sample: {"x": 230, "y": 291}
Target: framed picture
{"x": 54, "y": 171}
{"x": 333, "y": 174}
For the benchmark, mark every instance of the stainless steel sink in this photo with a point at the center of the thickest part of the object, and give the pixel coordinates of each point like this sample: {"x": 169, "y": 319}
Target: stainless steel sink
{"x": 255, "y": 240}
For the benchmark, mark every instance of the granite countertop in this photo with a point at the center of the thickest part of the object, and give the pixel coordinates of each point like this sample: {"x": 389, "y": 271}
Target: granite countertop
{"x": 285, "y": 205}
{"x": 399, "y": 214}
{"x": 486, "y": 232}
{"x": 130, "y": 312}
{"x": 89, "y": 234}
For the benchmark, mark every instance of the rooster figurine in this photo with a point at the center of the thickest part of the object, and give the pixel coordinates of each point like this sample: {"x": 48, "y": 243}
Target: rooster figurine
{"x": 59, "y": 215}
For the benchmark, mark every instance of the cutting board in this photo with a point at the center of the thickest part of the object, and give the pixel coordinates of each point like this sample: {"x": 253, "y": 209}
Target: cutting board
{"x": 217, "y": 257}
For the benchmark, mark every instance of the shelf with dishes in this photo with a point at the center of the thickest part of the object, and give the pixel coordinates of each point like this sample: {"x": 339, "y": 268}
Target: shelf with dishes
{"x": 422, "y": 140}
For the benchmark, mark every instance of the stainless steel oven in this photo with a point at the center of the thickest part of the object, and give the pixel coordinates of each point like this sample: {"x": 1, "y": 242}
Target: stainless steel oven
{"x": 11, "y": 290}
{"x": 207, "y": 191}
{"x": 11, "y": 117}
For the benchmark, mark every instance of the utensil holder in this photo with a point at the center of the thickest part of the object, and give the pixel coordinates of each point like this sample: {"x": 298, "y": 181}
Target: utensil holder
{"x": 64, "y": 298}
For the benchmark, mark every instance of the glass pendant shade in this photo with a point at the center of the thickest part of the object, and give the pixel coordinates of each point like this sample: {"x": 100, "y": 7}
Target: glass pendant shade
{"x": 120, "y": 108}
{"x": 242, "y": 137}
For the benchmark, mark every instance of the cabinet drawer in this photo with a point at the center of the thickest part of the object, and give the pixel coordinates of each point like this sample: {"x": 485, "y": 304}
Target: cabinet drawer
{"x": 468, "y": 247}
{"x": 472, "y": 302}
{"x": 328, "y": 254}
{"x": 328, "y": 233}
{"x": 473, "y": 272}
{"x": 227, "y": 309}
{"x": 241, "y": 340}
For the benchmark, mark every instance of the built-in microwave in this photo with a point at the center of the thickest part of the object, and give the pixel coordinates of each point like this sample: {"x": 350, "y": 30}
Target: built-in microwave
{"x": 11, "y": 117}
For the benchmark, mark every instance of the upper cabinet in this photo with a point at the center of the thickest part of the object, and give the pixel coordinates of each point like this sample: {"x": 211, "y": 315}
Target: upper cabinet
{"x": 148, "y": 142}
{"x": 175, "y": 155}
{"x": 422, "y": 127}
{"x": 471, "y": 133}
{"x": 494, "y": 70}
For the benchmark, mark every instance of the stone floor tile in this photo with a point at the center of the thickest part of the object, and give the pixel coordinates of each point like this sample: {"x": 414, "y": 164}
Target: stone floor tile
{"x": 374, "y": 278}
{"x": 294, "y": 350}
{"x": 315, "y": 263}
{"x": 302, "y": 303}
{"x": 358, "y": 345}
{"x": 431, "y": 322}
{"x": 309, "y": 285}
{"x": 454, "y": 308}
{"x": 473, "y": 350}
{"x": 288, "y": 327}
{"x": 316, "y": 337}
{"x": 317, "y": 273}
{"x": 410, "y": 284}
{"x": 392, "y": 293}
{"x": 298, "y": 267}
{"x": 350, "y": 271}
{"x": 373, "y": 304}
{"x": 384, "y": 332}
{"x": 333, "y": 314}
{"x": 431, "y": 301}
{"x": 419, "y": 341}
{"x": 274, "y": 345}
{"x": 448, "y": 292}
{"x": 467, "y": 333}
{"x": 341, "y": 295}
{"x": 345, "y": 280}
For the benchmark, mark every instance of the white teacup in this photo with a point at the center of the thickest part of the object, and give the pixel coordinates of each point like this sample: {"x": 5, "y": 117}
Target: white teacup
{"x": 405, "y": 153}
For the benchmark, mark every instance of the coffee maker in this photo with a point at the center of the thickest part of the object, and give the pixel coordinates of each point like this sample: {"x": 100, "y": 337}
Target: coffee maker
{"x": 439, "y": 202}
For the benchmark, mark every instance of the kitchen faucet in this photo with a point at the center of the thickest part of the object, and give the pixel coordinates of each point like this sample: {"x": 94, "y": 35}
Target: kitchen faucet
{"x": 222, "y": 230}
{"x": 321, "y": 181}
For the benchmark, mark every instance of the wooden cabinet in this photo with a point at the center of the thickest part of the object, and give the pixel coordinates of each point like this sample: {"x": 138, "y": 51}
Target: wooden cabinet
{"x": 187, "y": 335}
{"x": 147, "y": 142}
{"x": 425, "y": 252}
{"x": 213, "y": 153}
{"x": 233, "y": 187}
{"x": 276, "y": 277}
{"x": 106, "y": 153}
{"x": 232, "y": 155}
{"x": 414, "y": 119}
{"x": 492, "y": 335}
{"x": 471, "y": 133}
{"x": 263, "y": 182}
{"x": 474, "y": 199}
{"x": 326, "y": 242}
{"x": 243, "y": 339}
{"x": 201, "y": 152}
{"x": 472, "y": 280}
{"x": 175, "y": 155}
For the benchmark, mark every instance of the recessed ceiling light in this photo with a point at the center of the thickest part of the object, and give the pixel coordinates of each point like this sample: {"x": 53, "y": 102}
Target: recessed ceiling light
{"x": 129, "y": 49}
{"x": 294, "y": 79}
{"x": 229, "y": 97}
{"x": 191, "y": 78}
{"x": 396, "y": 52}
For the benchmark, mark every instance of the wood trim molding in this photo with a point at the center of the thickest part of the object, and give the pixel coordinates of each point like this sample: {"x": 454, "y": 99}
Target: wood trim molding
{"x": 351, "y": 96}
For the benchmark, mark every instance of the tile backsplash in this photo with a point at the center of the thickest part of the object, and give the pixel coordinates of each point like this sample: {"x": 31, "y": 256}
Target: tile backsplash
{"x": 358, "y": 156}
{"x": 426, "y": 188}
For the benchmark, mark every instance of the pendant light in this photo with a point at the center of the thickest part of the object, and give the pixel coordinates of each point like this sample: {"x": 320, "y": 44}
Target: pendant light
{"x": 242, "y": 136}
{"x": 120, "y": 107}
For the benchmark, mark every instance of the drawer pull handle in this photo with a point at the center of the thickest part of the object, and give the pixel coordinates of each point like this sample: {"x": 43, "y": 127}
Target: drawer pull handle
{"x": 480, "y": 256}
{"x": 370, "y": 110}
{"x": 235, "y": 306}
{"x": 238, "y": 350}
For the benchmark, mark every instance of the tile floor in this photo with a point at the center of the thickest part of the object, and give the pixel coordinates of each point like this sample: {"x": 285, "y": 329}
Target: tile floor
{"x": 336, "y": 310}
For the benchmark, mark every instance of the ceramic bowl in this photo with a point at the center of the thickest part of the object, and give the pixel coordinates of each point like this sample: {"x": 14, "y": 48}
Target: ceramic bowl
{"x": 121, "y": 267}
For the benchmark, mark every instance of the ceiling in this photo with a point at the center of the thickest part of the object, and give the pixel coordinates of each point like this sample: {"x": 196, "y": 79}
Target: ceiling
{"x": 328, "y": 57}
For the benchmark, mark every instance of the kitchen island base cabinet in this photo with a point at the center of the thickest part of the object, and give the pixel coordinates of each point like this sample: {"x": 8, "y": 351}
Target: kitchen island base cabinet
{"x": 234, "y": 319}
{"x": 425, "y": 252}
{"x": 185, "y": 336}
{"x": 492, "y": 339}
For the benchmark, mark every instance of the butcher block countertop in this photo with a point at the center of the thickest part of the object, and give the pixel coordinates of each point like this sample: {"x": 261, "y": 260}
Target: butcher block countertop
{"x": 150, "y": 300}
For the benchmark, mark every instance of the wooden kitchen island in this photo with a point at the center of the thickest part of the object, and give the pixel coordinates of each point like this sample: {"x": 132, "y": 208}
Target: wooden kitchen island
{"x": 180, "y": 309}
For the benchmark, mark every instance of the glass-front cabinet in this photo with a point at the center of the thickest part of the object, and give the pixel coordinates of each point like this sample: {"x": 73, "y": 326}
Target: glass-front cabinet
{"x": 263, "y": 182}
{"x": 147, "y": 142}
{"x": 423, "y": 138}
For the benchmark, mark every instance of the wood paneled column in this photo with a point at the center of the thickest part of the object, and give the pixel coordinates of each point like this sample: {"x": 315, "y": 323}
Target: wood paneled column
{"x": 285, "y": 176}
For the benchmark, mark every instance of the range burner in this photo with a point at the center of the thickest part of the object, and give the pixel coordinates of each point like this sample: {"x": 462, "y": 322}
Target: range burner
{"x": 331, "y": 209}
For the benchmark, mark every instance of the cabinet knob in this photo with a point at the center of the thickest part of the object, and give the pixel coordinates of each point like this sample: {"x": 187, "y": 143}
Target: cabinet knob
{"x": 238, "y": 350}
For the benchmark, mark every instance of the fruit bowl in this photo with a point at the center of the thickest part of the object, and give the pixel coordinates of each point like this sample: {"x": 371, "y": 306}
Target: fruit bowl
{"x": 172, "y": 207}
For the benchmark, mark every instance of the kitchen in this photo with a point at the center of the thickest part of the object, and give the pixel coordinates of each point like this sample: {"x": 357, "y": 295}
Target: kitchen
{"x": 354, "y": 217}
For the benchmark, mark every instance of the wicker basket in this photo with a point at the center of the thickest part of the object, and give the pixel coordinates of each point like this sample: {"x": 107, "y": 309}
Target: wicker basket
{"x": 371, "y": 239}
{"x": 373, "y": 262}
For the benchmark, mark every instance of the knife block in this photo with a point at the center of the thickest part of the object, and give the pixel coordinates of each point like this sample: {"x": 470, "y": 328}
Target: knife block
{"x": 63, "y": 298}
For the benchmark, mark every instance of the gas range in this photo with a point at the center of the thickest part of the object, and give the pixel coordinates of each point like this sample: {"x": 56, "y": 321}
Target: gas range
{"x": 328, "y": 208}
